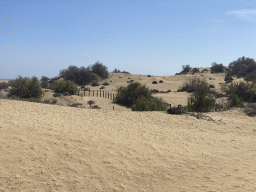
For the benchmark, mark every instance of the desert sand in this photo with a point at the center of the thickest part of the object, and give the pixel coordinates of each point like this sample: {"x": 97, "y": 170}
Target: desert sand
{"x": 47, "y": 147}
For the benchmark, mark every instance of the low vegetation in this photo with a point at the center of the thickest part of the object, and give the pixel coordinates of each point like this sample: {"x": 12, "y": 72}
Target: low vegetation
{"x": 82, "y": 75}
{"x": 139, "y": 98}
{"x": 145, "y": 104}
{"x": 26, "y": 88}
{"x": 201, "y": 100}
{"x": 243, "y": 67}
{"x": 64, "y": 86}
{"x": 191, "y": 84}
{"x": 241, "y": 92}
{"x": 217, "y": 68}
{"x": 118, "y": 71}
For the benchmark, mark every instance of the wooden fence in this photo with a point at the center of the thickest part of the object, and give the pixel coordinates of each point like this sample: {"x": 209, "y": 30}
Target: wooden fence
{"x": 96, "y": 93}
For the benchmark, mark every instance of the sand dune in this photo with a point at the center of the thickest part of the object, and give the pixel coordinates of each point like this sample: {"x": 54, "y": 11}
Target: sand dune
{"x": 48, "y": 147}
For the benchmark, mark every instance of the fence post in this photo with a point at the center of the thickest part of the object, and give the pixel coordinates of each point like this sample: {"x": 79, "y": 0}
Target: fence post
{"x": 93, "y": 93}
{"x": 84, "y": 91}
{"x": 100, "y": 93}
{"x": 103, "y": 94}
{"x": 89, "y": 91}
{"x": 97, "y": 93}
{"x": 113, "y": 96}
{"x": 108, "y": 95}
{"x": 170, "y": 106}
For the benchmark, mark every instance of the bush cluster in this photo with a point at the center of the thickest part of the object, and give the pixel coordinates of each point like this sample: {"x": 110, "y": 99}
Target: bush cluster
{"x": 118, "y": 71}
{"x": 243, "y": 67}
{"x": 217, "y": 68}
{"x": 145, "y": 104}
{"x": 26, "y": 87}
{"x": 201, "y": 100}
{"x": 64, "y": 86}
{"x": 195, "y": 70}
{"x": 240, "y": 92}
{"x": 192, "y": 83}
{"x": 82, "y": 75}
{"x": 139, "y": 98}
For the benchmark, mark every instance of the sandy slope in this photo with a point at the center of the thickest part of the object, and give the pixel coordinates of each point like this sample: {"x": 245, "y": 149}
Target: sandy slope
{"x": 47, "y": 147}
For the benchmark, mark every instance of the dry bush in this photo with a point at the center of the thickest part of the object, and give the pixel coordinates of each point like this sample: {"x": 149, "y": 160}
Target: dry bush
{"x": 66, "y": 94}
{"x": 54, "y": 101}
{"x": 250, "y": 109}
{"x": 154, "y": 82}
{"x": 76, "y": 104}
{"x": 160, "y": 81}
{"x": 94, "y": 83}
{"x": 95, "y": 107}
{"x": 56, "y": 94}
{"x": 192, "y": 84}
{"x": 154, "y": 91}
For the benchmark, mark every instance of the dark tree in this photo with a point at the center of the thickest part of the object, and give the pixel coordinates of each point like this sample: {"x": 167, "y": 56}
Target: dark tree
{"x": 217, "y": 68}
{"x": 242, "y": 67}
{"x": 100, "y": 70}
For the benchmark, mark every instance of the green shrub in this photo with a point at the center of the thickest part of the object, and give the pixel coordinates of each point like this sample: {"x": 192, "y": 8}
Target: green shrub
{"x": 201, "y": 100}
{"x": 82, "y": 75}
{"x": 243, "y": 67}
{"x": 26, "y": 88}
{"x": 64, "y": 86}
{"x": 154, "y": 82}
{"x": 235, "y": 101}
{"x": 145, "y": 104}
{"x": 244, "y": 91}
{"x": 128, "y": 95}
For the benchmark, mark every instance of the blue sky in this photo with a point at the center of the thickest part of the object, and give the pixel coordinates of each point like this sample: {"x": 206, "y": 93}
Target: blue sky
{"x": 156, "y": 37}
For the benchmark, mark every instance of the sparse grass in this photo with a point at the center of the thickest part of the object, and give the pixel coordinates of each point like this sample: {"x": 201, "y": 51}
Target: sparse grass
{"x": 38, "y": 100}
